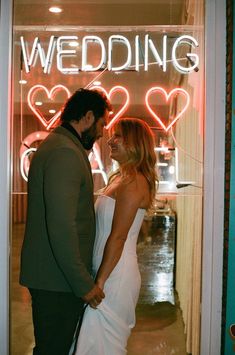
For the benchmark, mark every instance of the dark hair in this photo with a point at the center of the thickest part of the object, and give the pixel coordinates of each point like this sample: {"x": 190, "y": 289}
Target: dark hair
{"x": 82, "y": 101}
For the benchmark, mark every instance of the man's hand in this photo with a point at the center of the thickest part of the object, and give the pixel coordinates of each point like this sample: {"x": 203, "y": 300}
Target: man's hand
{"x": 94, "y": 297}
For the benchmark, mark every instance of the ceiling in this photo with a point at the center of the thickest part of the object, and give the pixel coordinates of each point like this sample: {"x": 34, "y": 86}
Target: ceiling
{"x": 100, "y": 13}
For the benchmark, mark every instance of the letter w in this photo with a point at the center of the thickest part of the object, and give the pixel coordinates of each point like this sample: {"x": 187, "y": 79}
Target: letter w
{"x": 30, "y": 60}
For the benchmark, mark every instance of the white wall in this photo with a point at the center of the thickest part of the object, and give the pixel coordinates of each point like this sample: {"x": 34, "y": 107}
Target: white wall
{"x": 214, "y": 177}
{"x": 189, "y": 140}
{"x": 5, "y": 82}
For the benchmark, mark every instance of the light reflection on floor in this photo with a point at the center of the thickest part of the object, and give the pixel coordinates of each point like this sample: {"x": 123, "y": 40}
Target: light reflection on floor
{"x": 156, "y": 255}
{"x": 159, "y": 329}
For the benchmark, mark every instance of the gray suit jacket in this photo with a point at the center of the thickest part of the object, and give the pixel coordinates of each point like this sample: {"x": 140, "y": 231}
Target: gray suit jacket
{"x": 60, "y": 228}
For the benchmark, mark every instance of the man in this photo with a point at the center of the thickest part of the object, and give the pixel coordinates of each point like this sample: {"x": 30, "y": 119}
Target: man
{"x": 60, "y": 227}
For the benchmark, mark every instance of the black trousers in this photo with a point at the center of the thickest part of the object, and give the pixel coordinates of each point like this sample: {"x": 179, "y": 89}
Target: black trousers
{"x": 55, "y": 316}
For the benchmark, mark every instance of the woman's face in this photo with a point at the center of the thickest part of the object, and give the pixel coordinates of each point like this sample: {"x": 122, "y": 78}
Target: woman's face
{"x": 117, "y": 147}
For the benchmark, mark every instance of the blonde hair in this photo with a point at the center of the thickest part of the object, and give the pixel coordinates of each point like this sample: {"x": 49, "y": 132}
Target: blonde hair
{"x": 139, "y": 143}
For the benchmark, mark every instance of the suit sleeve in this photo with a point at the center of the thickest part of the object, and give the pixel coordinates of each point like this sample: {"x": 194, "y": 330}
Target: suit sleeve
{"x": 62, "y": 183}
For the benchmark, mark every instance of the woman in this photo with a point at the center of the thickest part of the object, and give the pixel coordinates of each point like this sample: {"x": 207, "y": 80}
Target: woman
{"x": 120, "y": 211}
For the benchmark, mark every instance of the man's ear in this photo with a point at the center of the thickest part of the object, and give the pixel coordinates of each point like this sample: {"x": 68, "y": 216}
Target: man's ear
{"x": 89, "y": 119}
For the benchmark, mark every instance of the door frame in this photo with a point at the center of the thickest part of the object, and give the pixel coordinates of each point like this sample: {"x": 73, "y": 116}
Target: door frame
{"x": 6, "y": 8}
{"x": 212, "y": 260}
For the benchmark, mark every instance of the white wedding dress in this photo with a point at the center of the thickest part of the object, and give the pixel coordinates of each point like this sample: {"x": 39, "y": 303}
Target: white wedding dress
{"x": 105, "y": 330}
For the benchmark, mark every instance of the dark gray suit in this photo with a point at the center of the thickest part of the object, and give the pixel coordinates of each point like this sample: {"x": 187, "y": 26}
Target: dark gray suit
{"x": 60, "y": 228}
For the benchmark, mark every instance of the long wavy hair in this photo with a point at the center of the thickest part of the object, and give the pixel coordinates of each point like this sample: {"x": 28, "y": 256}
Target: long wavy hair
{"x": 139, "y": 143}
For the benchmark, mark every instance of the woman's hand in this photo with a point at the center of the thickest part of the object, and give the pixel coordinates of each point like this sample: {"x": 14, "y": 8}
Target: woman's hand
{"x": 94, "y": 297}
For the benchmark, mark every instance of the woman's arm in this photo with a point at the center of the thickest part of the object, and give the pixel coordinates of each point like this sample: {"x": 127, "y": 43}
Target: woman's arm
{"x": 128, "y": 199}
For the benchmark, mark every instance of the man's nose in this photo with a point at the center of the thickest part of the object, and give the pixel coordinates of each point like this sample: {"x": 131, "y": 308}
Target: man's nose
{"x": 101, "y": 132}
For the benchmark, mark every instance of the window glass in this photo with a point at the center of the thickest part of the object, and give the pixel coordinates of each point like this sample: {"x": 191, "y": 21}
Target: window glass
{"x": 149, "y": 59}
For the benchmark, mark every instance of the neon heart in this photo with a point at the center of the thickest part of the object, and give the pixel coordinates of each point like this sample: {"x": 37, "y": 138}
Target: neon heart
{"x": 115, "y": 89}
{"x": 167, "y": 97}
{"x": 51, "y": 95}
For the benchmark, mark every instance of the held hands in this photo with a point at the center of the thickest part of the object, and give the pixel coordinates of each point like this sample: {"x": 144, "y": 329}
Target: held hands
{"x": 94, "y": 297}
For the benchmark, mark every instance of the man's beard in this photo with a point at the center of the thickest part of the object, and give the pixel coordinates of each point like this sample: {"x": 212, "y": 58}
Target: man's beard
{"x": 88, "y": 137}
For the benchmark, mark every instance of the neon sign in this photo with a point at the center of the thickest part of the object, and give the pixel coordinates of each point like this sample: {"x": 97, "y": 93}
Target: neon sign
{"x": 115, "y": 89}
{"x": 106, "y": 59}
{"x": 97, "y": 166}
{"x": 167, "y": 97}
{"x": 51, "y": 95}
{"x": 174, "y": 181}
{"x": 26, "y": 150}
{"x": 25, "y": 162}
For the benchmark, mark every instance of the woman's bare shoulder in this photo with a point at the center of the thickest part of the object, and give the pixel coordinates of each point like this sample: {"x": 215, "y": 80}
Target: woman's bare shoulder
{"x": 136, "y": 187}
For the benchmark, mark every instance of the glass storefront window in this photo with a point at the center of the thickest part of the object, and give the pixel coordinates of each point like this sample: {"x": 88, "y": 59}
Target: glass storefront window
{"x": 151, "y": 68}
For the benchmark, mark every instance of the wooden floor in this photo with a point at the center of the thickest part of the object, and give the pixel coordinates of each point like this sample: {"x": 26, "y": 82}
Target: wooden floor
{"x": 159, "y": 328}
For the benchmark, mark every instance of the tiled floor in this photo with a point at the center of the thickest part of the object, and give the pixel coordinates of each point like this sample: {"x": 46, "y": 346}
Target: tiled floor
{"x": 159, "y": 327}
